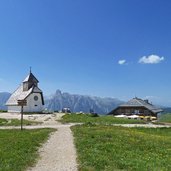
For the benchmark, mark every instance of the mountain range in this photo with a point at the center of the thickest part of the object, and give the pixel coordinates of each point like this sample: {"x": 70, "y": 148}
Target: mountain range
{"x": 83, "y": 103}
{"x": 76, "y": 103}
{"x": 4, "y": 96}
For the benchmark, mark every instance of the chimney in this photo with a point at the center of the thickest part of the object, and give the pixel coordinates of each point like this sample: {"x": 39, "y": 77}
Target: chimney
{"x": 146, "y": 100}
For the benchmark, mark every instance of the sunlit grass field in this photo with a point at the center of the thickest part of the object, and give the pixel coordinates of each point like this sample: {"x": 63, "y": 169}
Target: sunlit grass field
{"x": 110, "y": 148}
{"x": 19, "y": 149}
{"x": 16, "y": 122}
{"x": 85, "y": 118}
{"x": 165, "y": 118}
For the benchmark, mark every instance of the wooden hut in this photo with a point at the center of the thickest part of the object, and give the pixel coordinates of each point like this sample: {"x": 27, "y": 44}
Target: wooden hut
{"x": 136, "y": 106}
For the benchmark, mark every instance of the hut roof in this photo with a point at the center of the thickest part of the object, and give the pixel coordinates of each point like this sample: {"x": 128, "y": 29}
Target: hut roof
{"x": 137, "y": 102}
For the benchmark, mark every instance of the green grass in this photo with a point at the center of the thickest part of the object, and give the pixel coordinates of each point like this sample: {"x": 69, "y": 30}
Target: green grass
{"x": 85, "y": 118}
{"x": 110, "y": 148}
{"x": 165, "y": 118}
{"x": 19, "y": 149}
{"x": 16, "y": 122}
{"x": 3, "y": 111}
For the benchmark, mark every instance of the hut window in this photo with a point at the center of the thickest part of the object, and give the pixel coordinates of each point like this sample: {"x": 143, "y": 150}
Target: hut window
{"x": 128, "y": 111}
{"x": 136, "y": 112}
{"x": 141, "y": 111}
{"x": 146, "y": 112}
{"x": 123, "y": 111}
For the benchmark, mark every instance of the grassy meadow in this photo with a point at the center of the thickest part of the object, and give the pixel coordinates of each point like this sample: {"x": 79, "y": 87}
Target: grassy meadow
{"x": 165, "y": 118}
{"x": 19, "y": 149}
{"x": 3, "y": 111}
{"x": 105, "y": 120}
{"x": 110, "y": 148}
{"x": 16, "y": 122}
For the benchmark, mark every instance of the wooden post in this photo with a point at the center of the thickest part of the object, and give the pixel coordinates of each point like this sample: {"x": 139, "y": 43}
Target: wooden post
{"x": 22, "y": 103}
{"x": 22, "y": 117}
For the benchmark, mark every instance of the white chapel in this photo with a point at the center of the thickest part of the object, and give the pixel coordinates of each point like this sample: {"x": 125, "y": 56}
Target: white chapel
{"x": 28, "y": 91}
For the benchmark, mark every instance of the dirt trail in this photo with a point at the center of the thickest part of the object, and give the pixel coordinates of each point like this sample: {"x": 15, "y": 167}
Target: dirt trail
{"x": 58, "y": 153}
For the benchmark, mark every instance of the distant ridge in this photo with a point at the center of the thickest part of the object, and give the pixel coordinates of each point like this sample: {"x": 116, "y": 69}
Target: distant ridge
{"x": 167, "y": 110}
{"x": 76, "y": 102}
{"x": 4, "y": 96}
{"x": 82, "y": 103}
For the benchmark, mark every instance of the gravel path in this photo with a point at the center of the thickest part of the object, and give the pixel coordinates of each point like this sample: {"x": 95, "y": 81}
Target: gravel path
{"x": 58, "y": 154}
{"x": 143, "y": 125}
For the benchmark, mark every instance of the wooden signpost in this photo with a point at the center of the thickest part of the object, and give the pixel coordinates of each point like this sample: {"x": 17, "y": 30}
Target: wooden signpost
{"x": 22, "y": 103}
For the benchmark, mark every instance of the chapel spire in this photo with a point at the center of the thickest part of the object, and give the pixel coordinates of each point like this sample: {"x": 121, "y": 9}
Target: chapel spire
{"x": 30, "y": 81}
{"x": 30, "y": 69}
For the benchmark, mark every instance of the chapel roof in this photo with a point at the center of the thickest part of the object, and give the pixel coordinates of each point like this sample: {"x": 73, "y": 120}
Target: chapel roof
{"x": 30, "y": 78}
{"x": 19, "y": 94}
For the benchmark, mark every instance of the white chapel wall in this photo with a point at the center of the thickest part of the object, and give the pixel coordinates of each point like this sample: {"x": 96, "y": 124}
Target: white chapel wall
{"x": 32, "y": 105}
{"x": 14, "y": 109}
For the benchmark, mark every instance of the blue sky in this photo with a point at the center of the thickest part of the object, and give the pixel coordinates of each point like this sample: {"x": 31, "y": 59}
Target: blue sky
{"x": 107, "y": 48}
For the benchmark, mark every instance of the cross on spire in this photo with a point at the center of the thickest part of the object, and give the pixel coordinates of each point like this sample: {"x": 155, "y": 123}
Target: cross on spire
{"x": 30, "y": 70}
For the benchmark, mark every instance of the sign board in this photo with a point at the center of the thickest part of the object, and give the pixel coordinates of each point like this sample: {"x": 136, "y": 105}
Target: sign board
{"x": 22, "y": 102}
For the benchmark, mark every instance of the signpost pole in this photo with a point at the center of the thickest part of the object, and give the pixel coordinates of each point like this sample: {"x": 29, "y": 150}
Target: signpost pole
{"x": 22, "y": 117}
{"x": 22, "y": 103}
